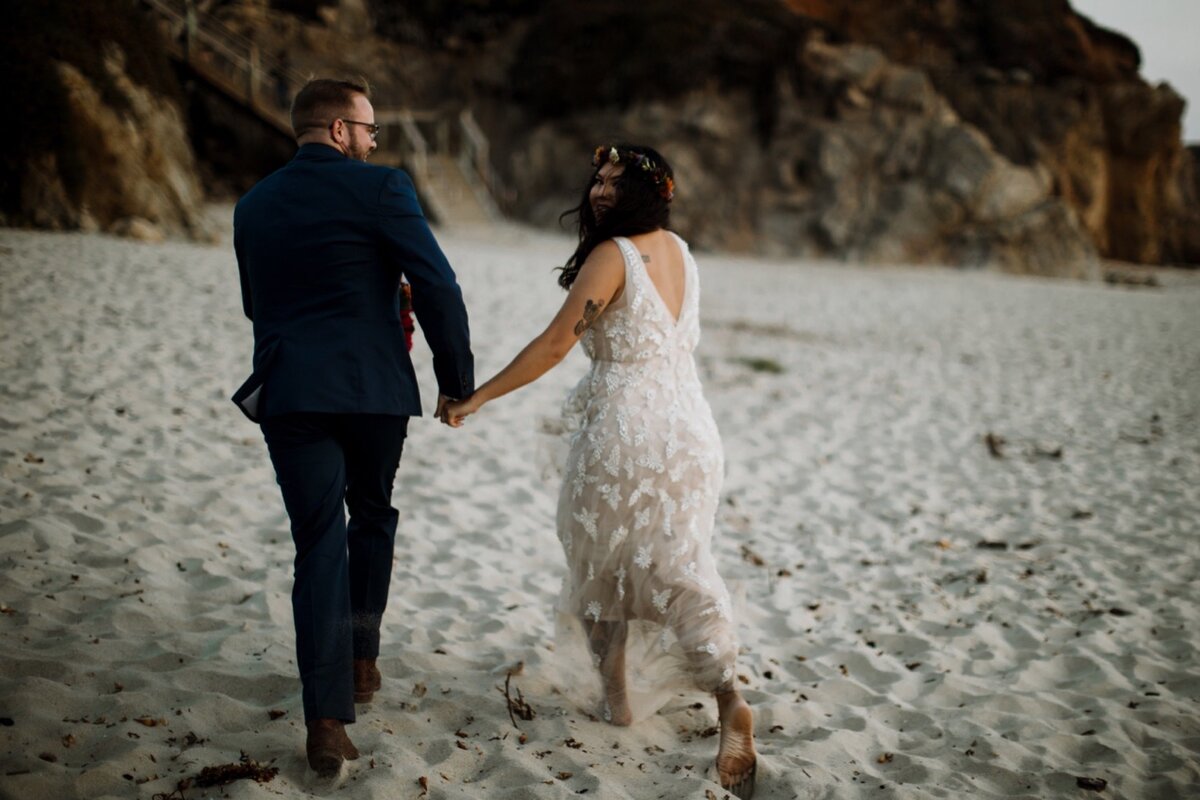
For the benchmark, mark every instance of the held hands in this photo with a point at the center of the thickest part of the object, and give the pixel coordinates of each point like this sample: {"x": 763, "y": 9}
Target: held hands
{"x": 454, "y": 412}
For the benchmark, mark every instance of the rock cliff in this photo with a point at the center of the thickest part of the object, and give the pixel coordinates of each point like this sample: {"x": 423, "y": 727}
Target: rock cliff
{"x": 1047, "y": 87}
{"x": 865, "y": 162}
{"x": 1014, "y": 134}
{"x": 803, "y": 145}
{"x": 101, "y": 141}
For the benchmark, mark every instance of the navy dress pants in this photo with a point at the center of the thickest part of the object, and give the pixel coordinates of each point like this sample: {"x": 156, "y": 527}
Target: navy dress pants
{"x": 326, "y": 464}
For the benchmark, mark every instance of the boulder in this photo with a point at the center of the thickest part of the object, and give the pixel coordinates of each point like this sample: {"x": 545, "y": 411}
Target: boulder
{"x": 138, "y": 228}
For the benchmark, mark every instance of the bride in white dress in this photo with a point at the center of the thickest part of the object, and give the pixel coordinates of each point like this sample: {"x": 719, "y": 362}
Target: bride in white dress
{"x": 640, "y": 493}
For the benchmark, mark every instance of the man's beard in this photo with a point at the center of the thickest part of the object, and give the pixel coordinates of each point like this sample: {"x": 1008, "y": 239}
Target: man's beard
{"x": 359, "y": 153}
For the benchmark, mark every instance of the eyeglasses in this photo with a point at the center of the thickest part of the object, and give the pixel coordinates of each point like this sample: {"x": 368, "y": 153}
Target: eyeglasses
{"x": 372, "y": 128}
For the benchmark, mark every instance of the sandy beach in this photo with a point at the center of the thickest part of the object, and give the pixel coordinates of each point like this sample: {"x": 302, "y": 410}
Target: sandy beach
{"x": 960, "y": 519}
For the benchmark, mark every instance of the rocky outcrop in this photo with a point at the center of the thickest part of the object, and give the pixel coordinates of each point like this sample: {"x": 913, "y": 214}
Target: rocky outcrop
{"x": 140, "y": 165}
{"x": 1016, "y": 134}
{"x": 118, "y": 156}
{"x": 866, "y": 162}
{"x": 1058, "y": 98}
{"x": 1050, "y": 88}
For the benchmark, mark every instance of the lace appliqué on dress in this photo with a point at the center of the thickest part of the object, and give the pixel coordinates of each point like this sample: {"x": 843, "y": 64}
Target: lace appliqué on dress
{"x": 640, "y": 490}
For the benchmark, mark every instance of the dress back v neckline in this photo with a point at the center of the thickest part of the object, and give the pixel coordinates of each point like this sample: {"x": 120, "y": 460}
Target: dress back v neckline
{"x": 633, "y": 258}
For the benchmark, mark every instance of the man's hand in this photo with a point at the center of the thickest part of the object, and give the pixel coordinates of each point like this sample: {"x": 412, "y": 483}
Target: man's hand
{"x": 441, "y": 407}
{"x": 455, "y": 412}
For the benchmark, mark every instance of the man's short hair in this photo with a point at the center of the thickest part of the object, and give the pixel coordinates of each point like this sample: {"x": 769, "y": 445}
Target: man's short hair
{"x": 323, "y": 100}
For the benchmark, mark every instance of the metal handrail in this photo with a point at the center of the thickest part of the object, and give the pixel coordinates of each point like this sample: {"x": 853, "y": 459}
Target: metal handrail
{"x": 476, "y": 162}
{"x": 475, "y": 146}
{"x": 420, "y": 149}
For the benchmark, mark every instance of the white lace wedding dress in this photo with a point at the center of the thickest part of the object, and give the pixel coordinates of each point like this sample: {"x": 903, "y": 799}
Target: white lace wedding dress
{"x": 639, "y": 498}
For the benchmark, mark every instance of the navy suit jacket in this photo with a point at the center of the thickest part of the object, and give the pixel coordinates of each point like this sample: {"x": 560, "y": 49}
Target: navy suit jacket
{"x": 321, "y": 246}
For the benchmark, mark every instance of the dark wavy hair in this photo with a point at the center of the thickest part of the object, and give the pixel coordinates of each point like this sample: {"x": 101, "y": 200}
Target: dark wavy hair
{"x": 641, "y": 206}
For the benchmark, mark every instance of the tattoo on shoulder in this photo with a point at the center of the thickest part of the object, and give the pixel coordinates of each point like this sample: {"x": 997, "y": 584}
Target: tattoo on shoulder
{"x": 590, "y": 312}
{"x": 645, "y": 258}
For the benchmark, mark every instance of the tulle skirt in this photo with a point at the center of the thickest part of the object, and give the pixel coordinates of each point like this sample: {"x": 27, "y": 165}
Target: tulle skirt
{"x": 635, "y": 520}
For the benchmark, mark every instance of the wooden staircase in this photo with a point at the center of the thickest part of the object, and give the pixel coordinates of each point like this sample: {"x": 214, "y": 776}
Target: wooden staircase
{"x": 458, "y": 199}
{"x": 453, "y": 175}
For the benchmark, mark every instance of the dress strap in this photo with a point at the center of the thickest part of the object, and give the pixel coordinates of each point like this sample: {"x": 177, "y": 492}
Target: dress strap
{"x": 691, "y": 291}
{"x": 630, "y": 255}
{"x": 628, "y": 252}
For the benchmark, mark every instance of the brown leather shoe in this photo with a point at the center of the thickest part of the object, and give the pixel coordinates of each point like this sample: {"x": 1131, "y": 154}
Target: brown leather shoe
{"x": 328, "y": 746}
{"x": 367, "y": 679}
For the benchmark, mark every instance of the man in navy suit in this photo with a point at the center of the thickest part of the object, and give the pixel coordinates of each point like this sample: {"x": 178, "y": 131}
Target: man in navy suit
{"x": 321, "y": 246}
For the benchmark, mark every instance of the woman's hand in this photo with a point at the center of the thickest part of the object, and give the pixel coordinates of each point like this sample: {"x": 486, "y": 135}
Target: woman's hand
{"x": 455, "y": 411}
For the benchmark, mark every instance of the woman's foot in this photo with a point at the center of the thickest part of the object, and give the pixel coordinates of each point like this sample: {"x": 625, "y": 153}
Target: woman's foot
{"x": 617, "y": 712}
{"x": 607, "y": 640}
{"x": 737, "y": 761}
{"x": 616, "y": 701}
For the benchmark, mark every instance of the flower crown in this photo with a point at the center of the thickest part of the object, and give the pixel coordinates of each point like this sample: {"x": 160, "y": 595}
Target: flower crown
{"x": 658, "y": 175}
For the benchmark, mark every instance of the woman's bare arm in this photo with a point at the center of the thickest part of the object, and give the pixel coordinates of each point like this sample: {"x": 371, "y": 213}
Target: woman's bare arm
{"x": 600, "y": 279}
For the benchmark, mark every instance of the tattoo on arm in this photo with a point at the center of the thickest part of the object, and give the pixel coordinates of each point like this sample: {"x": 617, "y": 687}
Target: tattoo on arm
{"x": 590, "y": 312}
{"x": 645, "y": 258}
